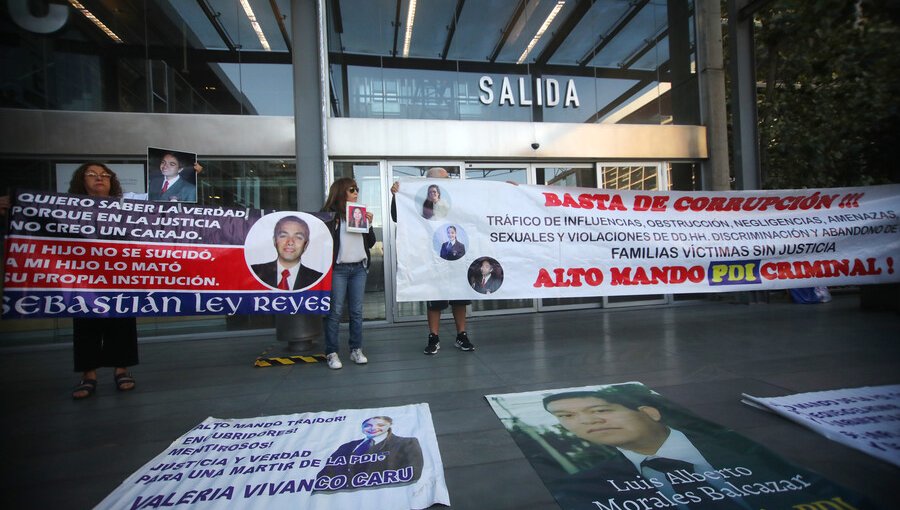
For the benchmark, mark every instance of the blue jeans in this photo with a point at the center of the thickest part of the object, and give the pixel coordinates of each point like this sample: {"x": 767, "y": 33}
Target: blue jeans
{"x": 348, "y": 284}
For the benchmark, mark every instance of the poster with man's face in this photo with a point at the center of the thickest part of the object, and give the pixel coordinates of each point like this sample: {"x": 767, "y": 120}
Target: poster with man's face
{"x": 171, "y": 176}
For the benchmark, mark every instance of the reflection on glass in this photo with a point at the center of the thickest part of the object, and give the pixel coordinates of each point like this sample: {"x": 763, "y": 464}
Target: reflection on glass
{"x": 631, "y": 177}
{"x": 488, "y": 60}
{"x": 79, "y": 67}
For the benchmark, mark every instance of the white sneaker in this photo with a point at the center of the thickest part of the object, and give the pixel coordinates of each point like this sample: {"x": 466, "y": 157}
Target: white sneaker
{"x": 358, "y": 357}
{"x": 334, "y": 362}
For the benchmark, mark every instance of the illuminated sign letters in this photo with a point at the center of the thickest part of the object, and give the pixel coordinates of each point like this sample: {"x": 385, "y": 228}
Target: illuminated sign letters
{"x": 546, "y": 91}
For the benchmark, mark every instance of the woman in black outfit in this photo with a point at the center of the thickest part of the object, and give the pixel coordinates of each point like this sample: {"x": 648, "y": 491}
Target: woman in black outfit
{"x": 104, "y": 342}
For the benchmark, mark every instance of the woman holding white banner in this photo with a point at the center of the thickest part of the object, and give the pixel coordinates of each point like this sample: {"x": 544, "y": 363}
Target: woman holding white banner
{"x": 102, "y": 342}
{"x": 350, "y": 270}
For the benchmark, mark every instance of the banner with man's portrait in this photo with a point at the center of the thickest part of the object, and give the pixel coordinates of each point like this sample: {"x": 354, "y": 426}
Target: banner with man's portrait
{"x": 624, "y": 446}
{"x": 80, "y": 256}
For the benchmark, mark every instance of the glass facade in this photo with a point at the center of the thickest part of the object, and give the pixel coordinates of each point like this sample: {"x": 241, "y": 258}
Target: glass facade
{"x": 595, "y": 61}
{"x": 157, "y": 56}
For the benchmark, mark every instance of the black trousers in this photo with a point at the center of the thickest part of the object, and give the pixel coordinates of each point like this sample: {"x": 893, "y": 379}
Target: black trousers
{"x": 104, "y": 343}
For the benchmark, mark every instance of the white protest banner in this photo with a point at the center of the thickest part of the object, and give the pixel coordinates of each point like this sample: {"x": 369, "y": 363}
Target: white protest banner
{"x": 377, "y": 459}
{"x": 492, "y": 240}
{"x": 867, "y": 419}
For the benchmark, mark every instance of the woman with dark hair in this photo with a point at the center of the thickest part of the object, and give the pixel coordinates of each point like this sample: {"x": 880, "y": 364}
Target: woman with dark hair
{"x": 104, "y": 342}
{"x": 431, "y": 201}
{"x": 349, "y": 271}
{"x": 357, "y": 221}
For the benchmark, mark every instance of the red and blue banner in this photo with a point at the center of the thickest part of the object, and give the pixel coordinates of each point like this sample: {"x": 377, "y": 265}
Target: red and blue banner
{"x": 78, "y": 256}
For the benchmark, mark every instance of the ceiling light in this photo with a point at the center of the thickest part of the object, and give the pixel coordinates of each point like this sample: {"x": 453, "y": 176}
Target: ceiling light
{"x": 89, "y": 15}
{"x": 540, "y": 32}
{"x": 255, "y": 24}
{"x": 410, "y": 20}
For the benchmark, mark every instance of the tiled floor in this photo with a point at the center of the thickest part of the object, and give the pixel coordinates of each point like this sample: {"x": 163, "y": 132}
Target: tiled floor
{"x": 59, "y": 453}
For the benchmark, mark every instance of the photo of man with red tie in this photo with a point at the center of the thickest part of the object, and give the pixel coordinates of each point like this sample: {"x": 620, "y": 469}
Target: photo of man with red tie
{"x": 175, "y": 181}
{"x": 380, "y": 451}
{"x": 484, "y": 278}
{"x": 291, "y": 239}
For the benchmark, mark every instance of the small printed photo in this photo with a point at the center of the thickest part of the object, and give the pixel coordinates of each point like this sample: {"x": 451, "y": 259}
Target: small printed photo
{"x": 485, "y": 275}
{"x": 288, "y": 250}
{"x": 357, "y": 221}
{"x": 171, "y": 175}
{"x": 450, "y": 242}
{"x": 435, "y": 202}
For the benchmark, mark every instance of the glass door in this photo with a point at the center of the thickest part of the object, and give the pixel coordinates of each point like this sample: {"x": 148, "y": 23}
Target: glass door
{"x": 515, "y": 173}
{"x": 415, "y": 310}
{"x": 633, "y": 176}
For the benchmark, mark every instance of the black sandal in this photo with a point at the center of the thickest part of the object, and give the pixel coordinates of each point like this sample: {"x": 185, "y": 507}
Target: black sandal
{"x": 123, "y": 379}
{"x": 86, "y": 385}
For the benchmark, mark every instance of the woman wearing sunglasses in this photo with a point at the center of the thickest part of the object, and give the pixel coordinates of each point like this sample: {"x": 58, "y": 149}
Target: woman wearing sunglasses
{"x": 349, "y": 271}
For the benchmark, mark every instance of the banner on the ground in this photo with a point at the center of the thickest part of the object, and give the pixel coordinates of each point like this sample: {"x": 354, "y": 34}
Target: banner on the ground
{"x": 494, "y": 240}
{"x": 867, "y": 419}
{"x": 377, "y": 459}
{"x": 624, "y": 446}
{"x": 79, "y": 256}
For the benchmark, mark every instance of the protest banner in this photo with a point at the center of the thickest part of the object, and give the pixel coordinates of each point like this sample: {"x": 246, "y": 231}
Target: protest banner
{"x": 377, "y": 459}
{"x": 79, "y": 256}
{"x": 625, "y": 447}
{"x": 493, "y": 240}
{"x": 867, "y": 419}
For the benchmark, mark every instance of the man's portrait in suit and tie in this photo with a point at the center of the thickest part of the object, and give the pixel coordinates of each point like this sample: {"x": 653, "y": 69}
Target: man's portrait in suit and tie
{"x": 645, "y": 447}
{"x": 291, "y": 239}
{"x": 485, "y": 275}
{"x": 379, "y": 450}
{"x": 452, "y": 248}
{"x": 177, "y": 176}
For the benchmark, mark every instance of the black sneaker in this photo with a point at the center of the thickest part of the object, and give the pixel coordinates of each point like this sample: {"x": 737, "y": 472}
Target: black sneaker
{"x": 434, "y": 344}
{"x": 463, "y": 343}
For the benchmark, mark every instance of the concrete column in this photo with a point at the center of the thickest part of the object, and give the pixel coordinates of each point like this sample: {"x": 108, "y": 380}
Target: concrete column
{"x": 711, "y": 70}
{"x": 300, "y": 331}
{"x": 742, "y": 66}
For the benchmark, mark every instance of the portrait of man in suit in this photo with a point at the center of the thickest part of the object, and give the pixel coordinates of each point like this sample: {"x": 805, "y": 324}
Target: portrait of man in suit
{"x": 174, "y": 182}
{"x": 651, "y": 449}
{"x": 487, "y": 279}
{"x": 452, "y": 249}
{"x": 286, "y": 272}
{"x": 356, "y": 462}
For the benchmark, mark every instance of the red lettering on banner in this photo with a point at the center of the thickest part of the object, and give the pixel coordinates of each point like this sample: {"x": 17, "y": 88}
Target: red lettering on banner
{"x": 666, "y": 274}
{"x": 737, "y": 204}
{"x": 601, "y": 202}
{"x": 571, "y": 277}
{"x": 819, "y": 269}
{"x": 647, "y": 203}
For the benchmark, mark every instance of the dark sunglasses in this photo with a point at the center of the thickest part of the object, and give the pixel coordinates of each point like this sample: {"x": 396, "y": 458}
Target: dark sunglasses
{"x": 353, "y": 189}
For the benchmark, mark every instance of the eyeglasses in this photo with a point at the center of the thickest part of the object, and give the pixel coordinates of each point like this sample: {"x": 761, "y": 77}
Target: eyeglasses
{"x": 353, "y": 189}
{"x": 92, "y": 175}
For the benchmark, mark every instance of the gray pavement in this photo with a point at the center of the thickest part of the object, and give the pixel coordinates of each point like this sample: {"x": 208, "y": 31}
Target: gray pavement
{"x": 61, "y": 453}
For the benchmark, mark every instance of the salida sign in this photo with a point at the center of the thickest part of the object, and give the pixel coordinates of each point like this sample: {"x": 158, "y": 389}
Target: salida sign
{"x": 544, "y": 92}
